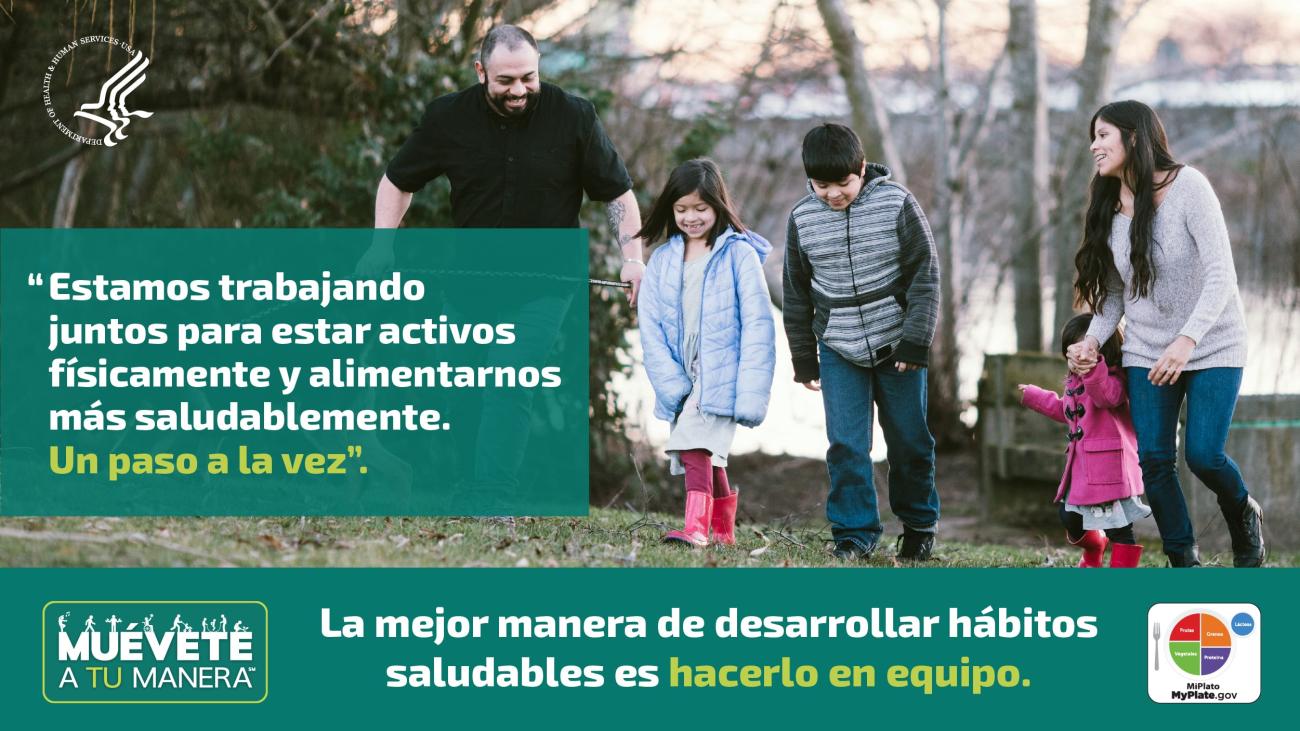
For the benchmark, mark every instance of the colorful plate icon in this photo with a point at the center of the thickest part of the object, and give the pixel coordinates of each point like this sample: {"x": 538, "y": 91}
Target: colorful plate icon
{"x": 1200, "y": 644}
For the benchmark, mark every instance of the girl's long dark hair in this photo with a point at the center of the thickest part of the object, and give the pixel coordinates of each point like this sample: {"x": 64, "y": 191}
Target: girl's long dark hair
{"x": 701, "y": 176}
{"x": 1146, "y": 152}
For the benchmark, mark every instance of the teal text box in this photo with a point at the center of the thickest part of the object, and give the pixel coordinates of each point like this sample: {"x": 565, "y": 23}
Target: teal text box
{"x": 451, "y": 382}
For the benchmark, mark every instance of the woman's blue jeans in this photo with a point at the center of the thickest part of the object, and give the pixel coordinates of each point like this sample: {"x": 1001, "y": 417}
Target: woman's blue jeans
{"x": 1211, "y": 396}
{"x": 849, "y": 392}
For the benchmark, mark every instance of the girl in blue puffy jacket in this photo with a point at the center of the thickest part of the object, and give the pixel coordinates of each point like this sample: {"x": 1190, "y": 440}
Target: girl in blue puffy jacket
{"x": 707, "y": 338}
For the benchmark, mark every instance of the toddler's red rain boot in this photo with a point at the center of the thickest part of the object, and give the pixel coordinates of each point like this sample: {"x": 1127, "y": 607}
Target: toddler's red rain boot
{"x": 1125, "y": 556}
{"x": 699, "y": 511}
{"x": 724, "y": 519}
{"x": 1093, "y": 544}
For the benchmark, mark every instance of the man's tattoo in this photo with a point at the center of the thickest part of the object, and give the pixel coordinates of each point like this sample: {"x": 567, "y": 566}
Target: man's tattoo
{"x": 616, "y": 211}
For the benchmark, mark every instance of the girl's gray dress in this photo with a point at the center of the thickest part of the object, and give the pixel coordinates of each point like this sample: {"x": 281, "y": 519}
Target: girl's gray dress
{"x": 1114, "y": 514}
{"x": 694, "y": 429}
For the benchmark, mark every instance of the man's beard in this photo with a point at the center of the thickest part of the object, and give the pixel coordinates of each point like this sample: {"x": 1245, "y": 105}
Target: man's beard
{"x": 498, "y": 103}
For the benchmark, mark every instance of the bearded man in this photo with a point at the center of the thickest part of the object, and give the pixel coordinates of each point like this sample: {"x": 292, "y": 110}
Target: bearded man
{"x": 519, "y": 153}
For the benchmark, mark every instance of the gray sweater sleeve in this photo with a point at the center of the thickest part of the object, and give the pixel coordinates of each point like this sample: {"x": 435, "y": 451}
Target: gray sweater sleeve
{"x": 1209, "y": 232}
{"x": 1106, "y": 320}
{"x": 920, "y": 271}
{"x": 797, "y": 308}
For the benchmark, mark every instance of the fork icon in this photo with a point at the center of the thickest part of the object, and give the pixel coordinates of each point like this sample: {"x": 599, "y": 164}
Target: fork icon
{"x": 1155, "y": 654}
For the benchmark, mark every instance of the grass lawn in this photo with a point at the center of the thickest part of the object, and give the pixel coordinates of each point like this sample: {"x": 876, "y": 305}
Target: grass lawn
{"x": 607, "y": 538}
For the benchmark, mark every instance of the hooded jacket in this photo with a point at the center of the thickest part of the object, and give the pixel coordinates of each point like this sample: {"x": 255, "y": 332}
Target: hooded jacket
{"x": 737, "y": 346}
{"x": 1101, "y": 460}
{"x": 865, "y": 280}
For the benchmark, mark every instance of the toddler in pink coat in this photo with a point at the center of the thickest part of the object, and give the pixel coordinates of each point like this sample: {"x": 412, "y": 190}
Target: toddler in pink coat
{"x": 1098, "y": 494}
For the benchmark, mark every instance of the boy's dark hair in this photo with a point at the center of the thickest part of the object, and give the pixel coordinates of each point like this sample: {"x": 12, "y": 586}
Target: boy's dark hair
{"x": 832, "y": 152}
{"x": 702, "y": 176}
{"x": 1077, "y": 327}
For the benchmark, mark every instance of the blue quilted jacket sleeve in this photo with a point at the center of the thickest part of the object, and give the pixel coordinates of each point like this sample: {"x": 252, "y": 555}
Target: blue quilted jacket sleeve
{"x": 667, "y": 375}
{"x": 757, "y": 339}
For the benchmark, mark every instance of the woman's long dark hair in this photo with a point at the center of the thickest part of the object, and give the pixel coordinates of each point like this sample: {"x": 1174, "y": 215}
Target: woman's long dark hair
{"x": 1146, "y": 152}
{"x": 701, "y": 176}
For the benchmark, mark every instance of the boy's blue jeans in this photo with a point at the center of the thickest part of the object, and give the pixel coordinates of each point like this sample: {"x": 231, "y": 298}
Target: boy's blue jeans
{"x": 1211, "y": 398}
{"x": 849, "y": 393}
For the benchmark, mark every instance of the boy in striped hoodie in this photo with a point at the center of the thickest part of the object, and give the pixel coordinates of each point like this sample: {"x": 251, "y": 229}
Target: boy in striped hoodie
{"x": 861, "y": 302}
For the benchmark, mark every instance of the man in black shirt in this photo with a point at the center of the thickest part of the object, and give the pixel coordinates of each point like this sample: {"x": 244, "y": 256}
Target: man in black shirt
{"x": 518, "y": 153}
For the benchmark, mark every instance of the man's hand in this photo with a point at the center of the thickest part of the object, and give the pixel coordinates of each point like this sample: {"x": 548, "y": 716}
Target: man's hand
{"x": 813, "y": 385}
{"x": 1172, "y": 362}
{"x": 632, "y": 272}
{"x": 902, "y": 367}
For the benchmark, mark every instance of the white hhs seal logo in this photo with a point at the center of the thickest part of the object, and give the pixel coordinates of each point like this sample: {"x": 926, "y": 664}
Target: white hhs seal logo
{"x": 110, "y": 109}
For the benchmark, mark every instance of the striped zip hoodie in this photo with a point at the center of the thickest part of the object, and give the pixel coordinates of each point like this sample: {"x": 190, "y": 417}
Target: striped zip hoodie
{"x": 865, "y": 280}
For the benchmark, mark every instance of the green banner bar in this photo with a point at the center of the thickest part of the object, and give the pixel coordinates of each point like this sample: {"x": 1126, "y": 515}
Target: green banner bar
{"x": 637, "y": 649}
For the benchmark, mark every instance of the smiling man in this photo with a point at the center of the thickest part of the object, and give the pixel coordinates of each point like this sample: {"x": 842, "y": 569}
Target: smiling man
{"x": 519, "y": 153}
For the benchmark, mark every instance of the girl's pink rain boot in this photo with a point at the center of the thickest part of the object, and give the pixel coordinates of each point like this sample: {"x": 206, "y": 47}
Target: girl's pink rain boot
{"x": 699, "y": 511}
{"x": 1125, "y": 556}
{"x": 724, "y": 519}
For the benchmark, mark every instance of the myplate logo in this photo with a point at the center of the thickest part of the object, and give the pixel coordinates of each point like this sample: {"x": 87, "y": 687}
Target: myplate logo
{"x": 109, "y": 111}
{"x": 154, "y": 652}
{"x": 1203, "y": 653}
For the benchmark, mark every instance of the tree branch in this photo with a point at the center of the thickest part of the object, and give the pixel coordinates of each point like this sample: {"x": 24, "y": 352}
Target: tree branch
{"x": 41, "y": 168}
{"x": 321, "y": 12}
{"x": 981, "y": 117}
{"x": 869, "y": 116}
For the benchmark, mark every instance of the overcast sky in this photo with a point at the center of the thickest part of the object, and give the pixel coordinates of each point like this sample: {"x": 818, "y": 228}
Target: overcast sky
{"x": 727, "y": 31}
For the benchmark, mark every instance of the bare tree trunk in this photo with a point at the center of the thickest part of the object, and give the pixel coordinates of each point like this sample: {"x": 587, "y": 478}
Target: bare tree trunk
{"x": 9, "y": 54}
{"x": 1028, "y": 152}
{"x": 1074, "y": 167}
{"x": 407, "y": 41}
{"x": 870, "y": 119}
{"x": 469, "y": 34}
{"x": 142, "y": 179}
{"x": 946, "y": 221}
{"x": 65, "y": 206}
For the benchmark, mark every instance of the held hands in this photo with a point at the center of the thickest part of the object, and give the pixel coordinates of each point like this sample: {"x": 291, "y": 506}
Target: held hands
{"x": 1082, "y": 356}
{"x": 1172, "y": 362}
{"x": 632, "y": 272}
{"x": 1080, "y": 369}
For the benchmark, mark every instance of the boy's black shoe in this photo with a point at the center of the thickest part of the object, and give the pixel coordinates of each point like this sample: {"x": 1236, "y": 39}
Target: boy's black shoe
{"x": 1187, "y": 558}
{"x": 1247, "y": 531}
{"x": 914, "y": 545}
{"x": 848, "y": 549}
